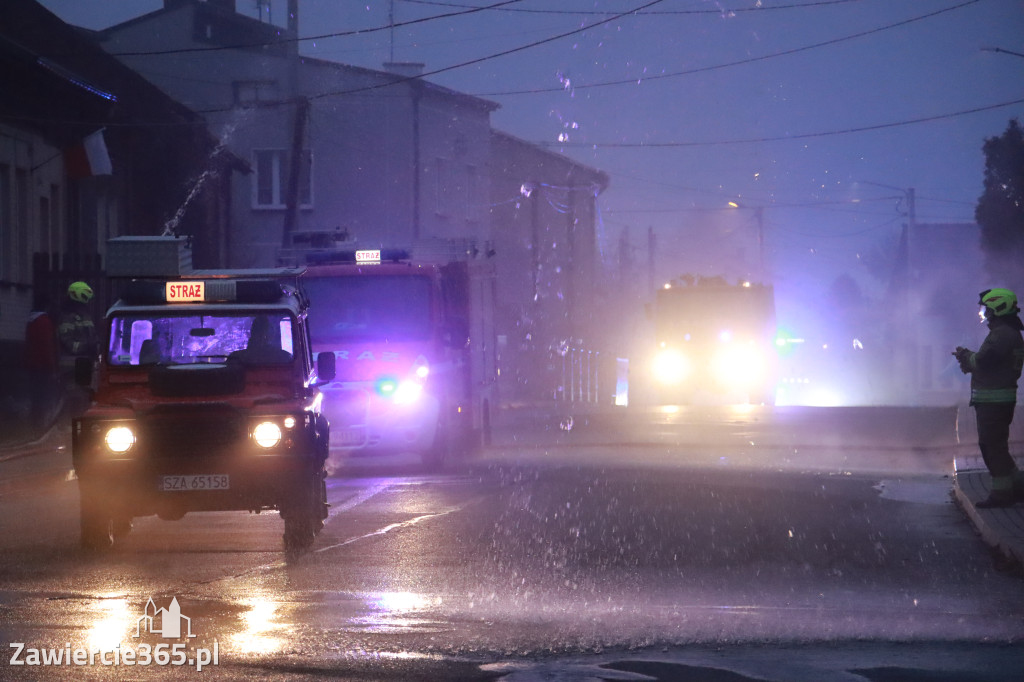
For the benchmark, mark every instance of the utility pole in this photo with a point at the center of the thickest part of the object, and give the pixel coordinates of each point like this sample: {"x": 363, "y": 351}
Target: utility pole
{"x": 391, "y": 30}
{"x": 297, "y": 157}
{"x": 651, "y": 249}
{"x": 295, "y": 165}
{"x": 759, "y": 216}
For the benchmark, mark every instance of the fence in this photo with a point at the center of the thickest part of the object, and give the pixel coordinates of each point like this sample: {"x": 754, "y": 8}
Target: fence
{"x": 581, "y": 379}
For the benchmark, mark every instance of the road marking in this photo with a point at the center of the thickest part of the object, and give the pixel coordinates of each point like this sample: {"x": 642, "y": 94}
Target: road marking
{"x": 360, "y": 497}
{"x": 387, "y": 529}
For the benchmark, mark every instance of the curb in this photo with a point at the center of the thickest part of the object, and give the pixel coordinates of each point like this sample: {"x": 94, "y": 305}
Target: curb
{"x": 44, "y": 460}
{"x": 1002, "y": 529}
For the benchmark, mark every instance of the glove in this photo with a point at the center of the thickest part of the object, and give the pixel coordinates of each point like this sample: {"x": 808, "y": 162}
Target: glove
{"x": 963, "y": 356}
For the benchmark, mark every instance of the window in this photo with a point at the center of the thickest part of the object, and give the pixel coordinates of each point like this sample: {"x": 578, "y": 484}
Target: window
{"x": 376, "y": 307}
{"x": 43, "y": 243}
{"x": 248, "y": 93}
{"x": 441, "y": 172}
{"x": 56, "y": 230}
{"x": 271, "y": 182}
{"x": 7, "y": 254}
{"x": 19, "y": 242}
{"x": 472, "y": 192}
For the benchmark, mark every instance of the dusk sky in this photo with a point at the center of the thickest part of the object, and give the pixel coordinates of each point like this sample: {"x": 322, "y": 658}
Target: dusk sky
{"x": 801, "y": 107}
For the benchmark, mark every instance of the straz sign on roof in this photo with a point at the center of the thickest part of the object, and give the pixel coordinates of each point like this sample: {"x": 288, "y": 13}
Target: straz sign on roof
{"x": 185, "y": 292}
{"x": 368, "y": 256}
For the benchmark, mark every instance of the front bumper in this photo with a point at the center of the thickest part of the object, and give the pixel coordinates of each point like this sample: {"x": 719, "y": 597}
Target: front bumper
{"x": 214, "y": 458}
{"x": 137, "y": 488}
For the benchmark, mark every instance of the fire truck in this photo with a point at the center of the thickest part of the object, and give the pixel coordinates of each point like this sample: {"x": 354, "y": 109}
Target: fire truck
{"x": 414, "y": 344}
{"x": 713, "y": 340}
{"x": 205, "y": 398}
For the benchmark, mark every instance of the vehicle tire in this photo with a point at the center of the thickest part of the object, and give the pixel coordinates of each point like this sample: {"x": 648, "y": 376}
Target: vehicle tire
{"x": 97, "y": 524}
{"x": 304, "y": 514}
{"x": 298, "y": 530}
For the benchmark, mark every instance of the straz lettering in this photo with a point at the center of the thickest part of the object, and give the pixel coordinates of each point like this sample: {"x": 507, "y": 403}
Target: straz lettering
{"x": 185, "y": 291}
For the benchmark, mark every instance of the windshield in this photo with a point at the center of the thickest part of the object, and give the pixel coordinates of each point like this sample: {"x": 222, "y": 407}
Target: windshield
{"x": 163, "y": 338}
{"x": 382, "y": 307}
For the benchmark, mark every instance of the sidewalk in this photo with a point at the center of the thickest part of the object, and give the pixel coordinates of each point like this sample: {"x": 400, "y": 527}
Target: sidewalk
{"x": 1002, "y": 529}
{"x": 42, "y": 460}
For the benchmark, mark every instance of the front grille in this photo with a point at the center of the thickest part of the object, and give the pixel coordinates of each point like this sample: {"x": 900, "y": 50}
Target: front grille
{"x": 347, "y": 408}
{"x": 192, "y": 432}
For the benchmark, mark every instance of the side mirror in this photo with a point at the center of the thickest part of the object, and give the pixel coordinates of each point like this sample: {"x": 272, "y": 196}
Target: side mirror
{"x": 83, "y": 371}
{"x": 326, "y": 366}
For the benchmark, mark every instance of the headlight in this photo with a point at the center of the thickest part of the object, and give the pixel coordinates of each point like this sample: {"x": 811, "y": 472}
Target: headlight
{"x": 670, "y": 366}
{"x": 266, "y": 434}
{"x": 738, "y": 365}
{"x": 407, "y": 392}
{"x": 119, "y": 439}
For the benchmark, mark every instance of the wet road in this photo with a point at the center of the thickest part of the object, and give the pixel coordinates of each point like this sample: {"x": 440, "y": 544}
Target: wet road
{"x": 655, "y": 542}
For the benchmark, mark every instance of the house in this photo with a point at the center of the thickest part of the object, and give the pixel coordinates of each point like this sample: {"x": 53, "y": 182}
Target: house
{"x": 545, "y": 220}
{"x": 380, "y": 158}
{"x": 63, "y": 101}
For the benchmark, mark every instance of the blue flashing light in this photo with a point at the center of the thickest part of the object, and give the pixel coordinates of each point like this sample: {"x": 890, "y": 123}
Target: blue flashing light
{"x": 386, "y": 386}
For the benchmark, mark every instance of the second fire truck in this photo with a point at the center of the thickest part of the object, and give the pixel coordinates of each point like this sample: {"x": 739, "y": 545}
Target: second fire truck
{"x": 414, "y": 343}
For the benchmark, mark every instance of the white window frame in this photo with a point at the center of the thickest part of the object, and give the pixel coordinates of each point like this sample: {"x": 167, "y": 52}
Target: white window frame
{"x": 278, "y": 171}
{"x": 442, "y": 183}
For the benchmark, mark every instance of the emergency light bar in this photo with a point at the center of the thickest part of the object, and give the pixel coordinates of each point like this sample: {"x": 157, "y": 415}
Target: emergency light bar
{"x": 360, "y": 257}
{"x": 152, "y": 292}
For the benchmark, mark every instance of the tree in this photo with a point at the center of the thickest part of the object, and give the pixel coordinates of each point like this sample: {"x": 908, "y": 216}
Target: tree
{"x": 1000, "y": 209}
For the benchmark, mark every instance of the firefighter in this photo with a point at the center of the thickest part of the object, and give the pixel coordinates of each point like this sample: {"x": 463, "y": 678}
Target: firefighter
{"x": 995, "y": 369}
{"x": 77, "y": 336}
{"x": 77, "y": 332}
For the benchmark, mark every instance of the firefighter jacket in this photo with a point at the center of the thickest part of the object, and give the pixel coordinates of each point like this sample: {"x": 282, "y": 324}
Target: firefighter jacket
{"x": 77, "y": 334}
{"x": 996, "y": 366}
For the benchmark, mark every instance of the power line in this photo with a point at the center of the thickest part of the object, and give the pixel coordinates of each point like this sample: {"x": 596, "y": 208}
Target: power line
{"x": 720, "y": 11}
{"x": 479, "y": 60}
{"x": 342, "y": 34}
{"x": 801, "y": 136}
{"x": 750, "y": 60}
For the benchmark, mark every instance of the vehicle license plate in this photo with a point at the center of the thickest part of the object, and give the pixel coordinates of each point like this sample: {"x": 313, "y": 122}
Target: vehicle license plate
{"x": 195, "y": 482}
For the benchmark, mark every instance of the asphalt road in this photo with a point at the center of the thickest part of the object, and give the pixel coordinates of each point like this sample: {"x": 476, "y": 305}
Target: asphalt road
{"x": 700, "y": 544}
